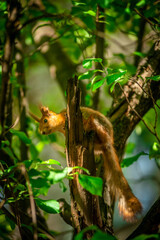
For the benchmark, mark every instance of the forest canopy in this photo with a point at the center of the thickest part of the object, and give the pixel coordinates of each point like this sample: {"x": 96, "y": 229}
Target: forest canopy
{"x": 56, "y": 55}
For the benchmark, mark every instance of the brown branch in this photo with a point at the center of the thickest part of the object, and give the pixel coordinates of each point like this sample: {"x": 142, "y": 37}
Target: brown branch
{"x": 123, "y": 117}
{"x": 135, "y": 110}
{"x": 142, "y": 16}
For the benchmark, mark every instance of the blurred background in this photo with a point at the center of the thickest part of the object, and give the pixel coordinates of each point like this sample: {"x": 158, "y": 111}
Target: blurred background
{"x": 53, "y": 48}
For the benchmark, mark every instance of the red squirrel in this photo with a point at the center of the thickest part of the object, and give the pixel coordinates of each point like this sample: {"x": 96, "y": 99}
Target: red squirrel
{"x": 129, "y": 205}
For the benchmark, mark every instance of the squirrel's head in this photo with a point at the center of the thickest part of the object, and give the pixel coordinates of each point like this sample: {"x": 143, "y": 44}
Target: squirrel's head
{"x": 50, "y": 121}
{"x": 47, "y": 123}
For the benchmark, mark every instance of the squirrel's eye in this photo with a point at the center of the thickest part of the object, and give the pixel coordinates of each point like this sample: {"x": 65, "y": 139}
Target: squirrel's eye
{"x": 45, "y": 120}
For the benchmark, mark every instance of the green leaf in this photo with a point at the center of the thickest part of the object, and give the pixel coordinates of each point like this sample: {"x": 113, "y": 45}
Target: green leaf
{"x": 28, "y": 163}
{"x": 62, "y": 186}
{"x": 128, "y": 161}
{"x": 99, "y": 235}
{"x": 98, "y": 84}
{"x": 20, "y": 187}
{"x": 155, "y": 151}
{"x": 144, "y": 237}
{"x": 86, "y": 75}
{"x": 34, "y": 173}
{"x": 96, "y": 78}
{"x": 82, "y": 168}
{"x": 78, "y": 4}
{"x": 50, "y": 162}
{"x": 130, "y": 147}
{"x": 154, "y": 78}
{"x": 141, "y": 3}
{"x": 115, "y": 76}
{"x": 39, "y": 183}
{"x": 57, "y": 175}
{"x": 49, "y": 206}
{"x": 10, "y": 153}
{"x": 87, "y": 63}
{"x": 90, "y": 12}
{"x": 142, "y": 55}
{"x": 89, "y": 74}
{"x": 94, "y": 185}
{"x": 3, "y": 143}
{"x": 21, "y": 135}
{"x": 11, "y": 223}
{"x": 79, "y": 236}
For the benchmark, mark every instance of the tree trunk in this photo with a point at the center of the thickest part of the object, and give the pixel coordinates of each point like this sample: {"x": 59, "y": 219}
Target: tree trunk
{"x": 85, "y": 209}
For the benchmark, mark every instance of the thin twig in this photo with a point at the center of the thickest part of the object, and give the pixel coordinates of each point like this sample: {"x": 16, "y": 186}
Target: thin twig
{"x": 146, "y": 19}
{"x": 145, "y": 92}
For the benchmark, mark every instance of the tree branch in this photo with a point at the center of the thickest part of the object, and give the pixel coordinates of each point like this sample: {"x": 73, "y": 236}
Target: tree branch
{"x": 84, "y": 206}
{"x": 123, "y": 117}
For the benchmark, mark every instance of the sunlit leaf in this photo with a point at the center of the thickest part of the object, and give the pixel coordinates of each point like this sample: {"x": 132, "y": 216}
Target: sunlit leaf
{"x": 142, "y": 55}
{"x": 90, "y": 12}
{"x": 87, "y": 63}
{"x": 50, "y": 162}
{"x": 92, "y": 184}
{"x": 128, "y": 161}
{"x": 154, "y": 78}
{"x": 49, "y": 206}
{"x": 86, "y": 75}
{"x": 57, "y": 175}
{"x": 155, "y": 151}
{"x": 115, "y": 76}
{"x": 96, "y": 78}
{"x": 98, "y": 84}
{"x": 82, "y": 168}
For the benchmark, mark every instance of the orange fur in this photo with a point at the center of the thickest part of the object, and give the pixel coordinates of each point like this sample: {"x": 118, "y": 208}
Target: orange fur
{"x": 129, "y": 205}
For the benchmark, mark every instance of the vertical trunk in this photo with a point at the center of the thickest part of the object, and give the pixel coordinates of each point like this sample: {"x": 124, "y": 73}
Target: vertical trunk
{"x": 19, "y": 56}
{"x": 6, "y": 90}
{"x": 84, "y": 206}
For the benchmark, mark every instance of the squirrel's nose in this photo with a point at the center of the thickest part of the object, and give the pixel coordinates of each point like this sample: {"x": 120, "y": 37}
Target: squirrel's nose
{"x": 43, "y": 132}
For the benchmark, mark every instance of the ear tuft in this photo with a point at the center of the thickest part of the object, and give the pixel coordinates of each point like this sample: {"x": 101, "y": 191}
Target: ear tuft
{"x": 44, "y": 111}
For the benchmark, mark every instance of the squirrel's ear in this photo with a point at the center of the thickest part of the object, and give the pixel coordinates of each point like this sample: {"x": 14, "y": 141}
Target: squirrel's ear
{"x": 44, "y": 111}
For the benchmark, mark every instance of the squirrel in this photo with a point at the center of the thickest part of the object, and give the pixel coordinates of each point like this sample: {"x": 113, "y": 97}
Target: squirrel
{"x": 50, "y": 122}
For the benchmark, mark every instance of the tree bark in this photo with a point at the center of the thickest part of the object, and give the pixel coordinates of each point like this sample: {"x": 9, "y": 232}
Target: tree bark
{"x": 13, "y": 8}
{"x": 84, "y": 206}
{"x": 140, "y": 95}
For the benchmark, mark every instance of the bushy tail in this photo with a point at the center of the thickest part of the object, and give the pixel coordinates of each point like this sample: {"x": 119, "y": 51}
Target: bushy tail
{"x": 129, "y": 205}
